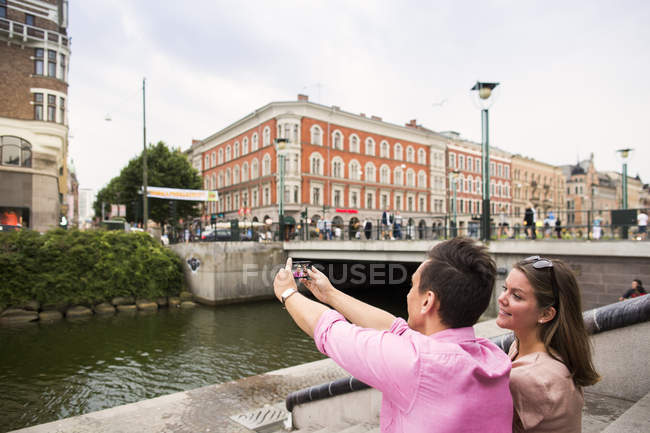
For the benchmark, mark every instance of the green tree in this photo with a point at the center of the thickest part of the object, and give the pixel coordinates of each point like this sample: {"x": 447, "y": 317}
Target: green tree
{"x": 165, "y": 168}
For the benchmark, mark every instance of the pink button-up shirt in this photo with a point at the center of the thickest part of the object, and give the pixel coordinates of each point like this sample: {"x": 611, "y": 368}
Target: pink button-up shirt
{"x": 447, "y": 382}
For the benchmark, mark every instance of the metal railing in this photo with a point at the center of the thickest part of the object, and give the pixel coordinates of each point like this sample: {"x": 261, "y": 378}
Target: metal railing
{"x": 15, "y": 29}
{"x": 583, "y": 225}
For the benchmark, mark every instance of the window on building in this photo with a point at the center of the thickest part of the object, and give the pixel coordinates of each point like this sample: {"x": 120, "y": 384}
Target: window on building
{"x": 452, "y": 161}
{"x": 227, "y": 183}
{"x": 254, "y": 169}
{"x": 15, "y": 151}
{"x": 51, "y": 108}
{"x": 410, "y": 154}
{"x": 316, "y": 135}
{"x": 492, "y": 169}
{"x": 207, "y": 162}
{"x": 477, "y": 163}
{"x": 398, "y": 152}
{"x": 228, "y": 153}
{"x": 354, "y": 144}
{"x": 384, "y": 174}
{"x": 3, "y": 8}
{"x": 384, "y": 151}
{"x": 316, "y": 164}
{"x": 235, "y": 175}
{"x": 369, "y": 201}
{"x": 506, "y": 173}
{"x": 338, "y": 140}
{"x": 244, "y": 146}
{"x": 337, "y": 198}
{"x": 315, "y": 195}
{"x": 422, "y": 209}
{"x": 410, "y": 178}
{"x": 370, "y": 172}
{"x": 254, "y": 203}
{"x": 370, "y": 146}
{"x": 355, "y": 170}
{"x": 398, "y": 202}
{"x": 422, "y": 179}
{"x": 219, "y": 156}
{"x": 470, "y": 164}
{"x": 337, "y": 168}
{"x": 236, "y": 150}
{"x": 409, "y": 204}
{"x": 296, "y": 194}
{"x": 266, "y": 165}
{"x": 267, "y": 196}
{"x": 499, "y": 170}
{"x": 38, "y": 106}
{"x": 29, "y": 19}
{"x": 354, "y": 199}
{"x": 51, "y": 63}
{"x": 422, "y": 156}
{"x": 220, "y": 180}
{"x": 266, "y": 139}
{"x": 39, "y": 54}
{"x": 61, "y": 110}
{"x": 212, "y": 158}
{"x": 384, "y": 201}
{"x": 254, "y": 142}
{"x": 62, "y": 66}
{"x": 398, "y": 176}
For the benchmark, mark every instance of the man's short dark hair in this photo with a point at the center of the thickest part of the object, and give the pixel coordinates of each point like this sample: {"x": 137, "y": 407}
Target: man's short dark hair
{"x": 461, "y": 273}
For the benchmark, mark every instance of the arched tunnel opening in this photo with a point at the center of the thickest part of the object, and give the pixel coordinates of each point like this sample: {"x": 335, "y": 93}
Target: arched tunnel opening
{"x": 381, "y": 284}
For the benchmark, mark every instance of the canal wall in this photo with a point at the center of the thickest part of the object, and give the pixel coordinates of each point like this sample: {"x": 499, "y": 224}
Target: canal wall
{"x": 226, "y": 272}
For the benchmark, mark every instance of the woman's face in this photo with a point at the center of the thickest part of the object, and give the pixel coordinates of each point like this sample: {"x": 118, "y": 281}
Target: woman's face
{"x": 635, "y": 284}
{"x": 518, "y": 307}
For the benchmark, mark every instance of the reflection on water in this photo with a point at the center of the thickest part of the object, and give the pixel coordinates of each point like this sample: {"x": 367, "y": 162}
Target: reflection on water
{"x": 58, "y": 370}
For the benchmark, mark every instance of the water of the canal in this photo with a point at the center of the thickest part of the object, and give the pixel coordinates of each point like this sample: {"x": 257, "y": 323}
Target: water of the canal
{"x": 54, "y": 371}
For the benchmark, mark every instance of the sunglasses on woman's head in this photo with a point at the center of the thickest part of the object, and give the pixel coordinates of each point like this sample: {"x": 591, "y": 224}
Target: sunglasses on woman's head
{"x": 541, "y": 263}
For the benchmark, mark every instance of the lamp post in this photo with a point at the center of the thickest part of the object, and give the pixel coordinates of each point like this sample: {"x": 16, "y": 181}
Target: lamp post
{"x": 454, "y": 176}
{"x": 484, "y": 91}
{"x": 281, "y": 149}
{"x": 145, "y": 207}
{"x": 624, "y": 154}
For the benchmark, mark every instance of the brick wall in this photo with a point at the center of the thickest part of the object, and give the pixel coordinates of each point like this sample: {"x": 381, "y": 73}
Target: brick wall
{"x": 16, "y": 79}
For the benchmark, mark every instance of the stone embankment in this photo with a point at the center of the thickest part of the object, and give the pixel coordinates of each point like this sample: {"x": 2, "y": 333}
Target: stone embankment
{"x": 33, "y": 311}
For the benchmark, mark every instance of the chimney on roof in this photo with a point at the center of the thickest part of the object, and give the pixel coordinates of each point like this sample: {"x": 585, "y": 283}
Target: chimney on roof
{"x": 336, "y": 108}
{"x": 362, "y": 114}
{"x": 302, "y": 97}
{"x": 195, "y": 142}
{"x": 413, "y": 123}
{"x": 376, "y": 118}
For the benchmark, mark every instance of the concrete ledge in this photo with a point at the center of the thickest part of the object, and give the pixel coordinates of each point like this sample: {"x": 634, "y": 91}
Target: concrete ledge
{"x": 634, "y": 420}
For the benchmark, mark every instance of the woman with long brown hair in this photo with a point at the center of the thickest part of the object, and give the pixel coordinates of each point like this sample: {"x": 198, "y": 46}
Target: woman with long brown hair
{"x": 551, "y": 354}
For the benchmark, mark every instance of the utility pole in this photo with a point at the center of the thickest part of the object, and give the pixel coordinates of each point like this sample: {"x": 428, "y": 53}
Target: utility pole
{"x": 145, "y": 207}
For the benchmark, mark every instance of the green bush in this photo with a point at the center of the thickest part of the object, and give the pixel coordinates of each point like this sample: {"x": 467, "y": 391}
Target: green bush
{"x": 88, "y": 267}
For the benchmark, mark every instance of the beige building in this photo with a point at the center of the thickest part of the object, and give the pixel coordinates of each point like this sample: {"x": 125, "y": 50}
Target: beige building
{"x": 539, "y": 183}
{"x": 35, "y": 53}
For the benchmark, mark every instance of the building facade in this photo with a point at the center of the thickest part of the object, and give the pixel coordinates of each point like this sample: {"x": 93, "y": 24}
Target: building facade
{"x": 35, "y": 53}
{"x": 343, "y": 166}
{"x": 537, "y": 183}
{"x": 464, "y": 168}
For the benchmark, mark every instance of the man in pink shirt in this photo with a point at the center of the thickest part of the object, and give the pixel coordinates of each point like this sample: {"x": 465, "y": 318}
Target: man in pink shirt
{"x": 434, "y": 374}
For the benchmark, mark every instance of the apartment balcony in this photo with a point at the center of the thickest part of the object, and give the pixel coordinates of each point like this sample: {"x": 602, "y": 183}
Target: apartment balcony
{"x": 22, "y": 33}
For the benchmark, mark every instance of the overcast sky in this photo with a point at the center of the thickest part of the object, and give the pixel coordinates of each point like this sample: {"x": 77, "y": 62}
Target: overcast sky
{"x": 575, "y": 76}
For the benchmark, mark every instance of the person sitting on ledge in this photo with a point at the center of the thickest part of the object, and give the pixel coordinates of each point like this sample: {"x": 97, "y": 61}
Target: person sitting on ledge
{"x": 635, "y": 291}
{"x": 551, "y": 354}
{"x": 434, "y": 374}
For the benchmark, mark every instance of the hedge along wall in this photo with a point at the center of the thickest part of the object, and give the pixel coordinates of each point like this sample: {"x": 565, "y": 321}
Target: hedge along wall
{"x": 84, "y": 267}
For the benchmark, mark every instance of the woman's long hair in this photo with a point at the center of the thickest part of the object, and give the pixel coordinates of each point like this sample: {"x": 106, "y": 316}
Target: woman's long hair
{"x": 566, "y": 334}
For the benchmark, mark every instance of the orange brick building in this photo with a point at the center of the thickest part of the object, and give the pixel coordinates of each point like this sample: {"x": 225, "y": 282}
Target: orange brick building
{"x": 335, "y": 161}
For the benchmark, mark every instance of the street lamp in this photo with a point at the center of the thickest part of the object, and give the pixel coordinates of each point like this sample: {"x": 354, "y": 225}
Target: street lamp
{"x": 454, "y": 176}
{"x": 624, "y": 154}
{"x": 484, "y": 91}
{"x": 281, "y": 149}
